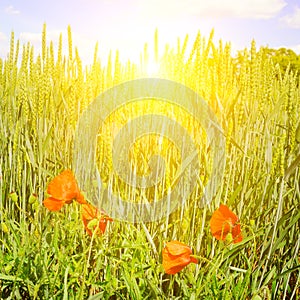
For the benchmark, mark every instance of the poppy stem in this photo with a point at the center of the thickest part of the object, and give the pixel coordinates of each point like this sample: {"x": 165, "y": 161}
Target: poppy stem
{"x": 217, "y": 267}
{"x": 87, "y": 265}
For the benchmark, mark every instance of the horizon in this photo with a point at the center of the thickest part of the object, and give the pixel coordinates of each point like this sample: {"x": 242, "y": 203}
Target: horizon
{"x": 127, "y": 26}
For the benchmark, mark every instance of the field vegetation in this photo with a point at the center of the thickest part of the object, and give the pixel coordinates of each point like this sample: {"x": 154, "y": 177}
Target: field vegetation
{"x": 49, "y": 255}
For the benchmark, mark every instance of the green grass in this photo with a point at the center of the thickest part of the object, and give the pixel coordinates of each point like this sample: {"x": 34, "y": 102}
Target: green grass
{"x": 48, "y": 255}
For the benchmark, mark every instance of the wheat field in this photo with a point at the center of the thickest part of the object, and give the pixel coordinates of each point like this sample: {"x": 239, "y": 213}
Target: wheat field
{"x": 48, "y": 255}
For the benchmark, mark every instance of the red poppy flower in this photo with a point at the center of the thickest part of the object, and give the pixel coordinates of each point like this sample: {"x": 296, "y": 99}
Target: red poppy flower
{"x": 176, "y": 256}
{"x": 93, "y": 219}
{"x": 223, "y": 222}
{"x": 63, "y": 189}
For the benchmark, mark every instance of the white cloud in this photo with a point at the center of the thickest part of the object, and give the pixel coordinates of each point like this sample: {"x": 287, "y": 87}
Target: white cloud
{"x": 292, "y": 20}
{"x": 253, "y": 9}
{"x": 4, "y": 45}
{"x": 296, "y": 49}
{"x": 31, "y": 37}
{"x": 10, "y": 10}
{"x": 85, "y": 45}
{"x": 3, "y": 37}
{"x": 36, "y": 37}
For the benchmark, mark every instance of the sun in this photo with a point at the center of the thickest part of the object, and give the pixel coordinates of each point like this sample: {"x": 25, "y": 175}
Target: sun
{"x": 153, "y": 68}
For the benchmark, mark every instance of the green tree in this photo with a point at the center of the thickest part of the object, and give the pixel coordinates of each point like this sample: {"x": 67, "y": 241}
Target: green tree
{"x": 285, "y": 58}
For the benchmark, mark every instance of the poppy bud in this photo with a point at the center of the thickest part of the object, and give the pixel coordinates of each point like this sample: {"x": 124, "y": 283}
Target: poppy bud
{"x": 32, "y": 198}
{"x": 14, "y": 197}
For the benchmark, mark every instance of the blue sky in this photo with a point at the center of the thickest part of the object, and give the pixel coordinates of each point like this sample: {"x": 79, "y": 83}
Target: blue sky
{"x": 128, "y": 24}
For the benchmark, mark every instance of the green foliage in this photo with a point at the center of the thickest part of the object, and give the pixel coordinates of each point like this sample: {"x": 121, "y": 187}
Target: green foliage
{"x": 48, "y": 255}
{"x": 287, "y": 59}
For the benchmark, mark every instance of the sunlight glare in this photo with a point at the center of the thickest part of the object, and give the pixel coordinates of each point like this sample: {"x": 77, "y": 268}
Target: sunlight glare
{"x": 152, "y": 68}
